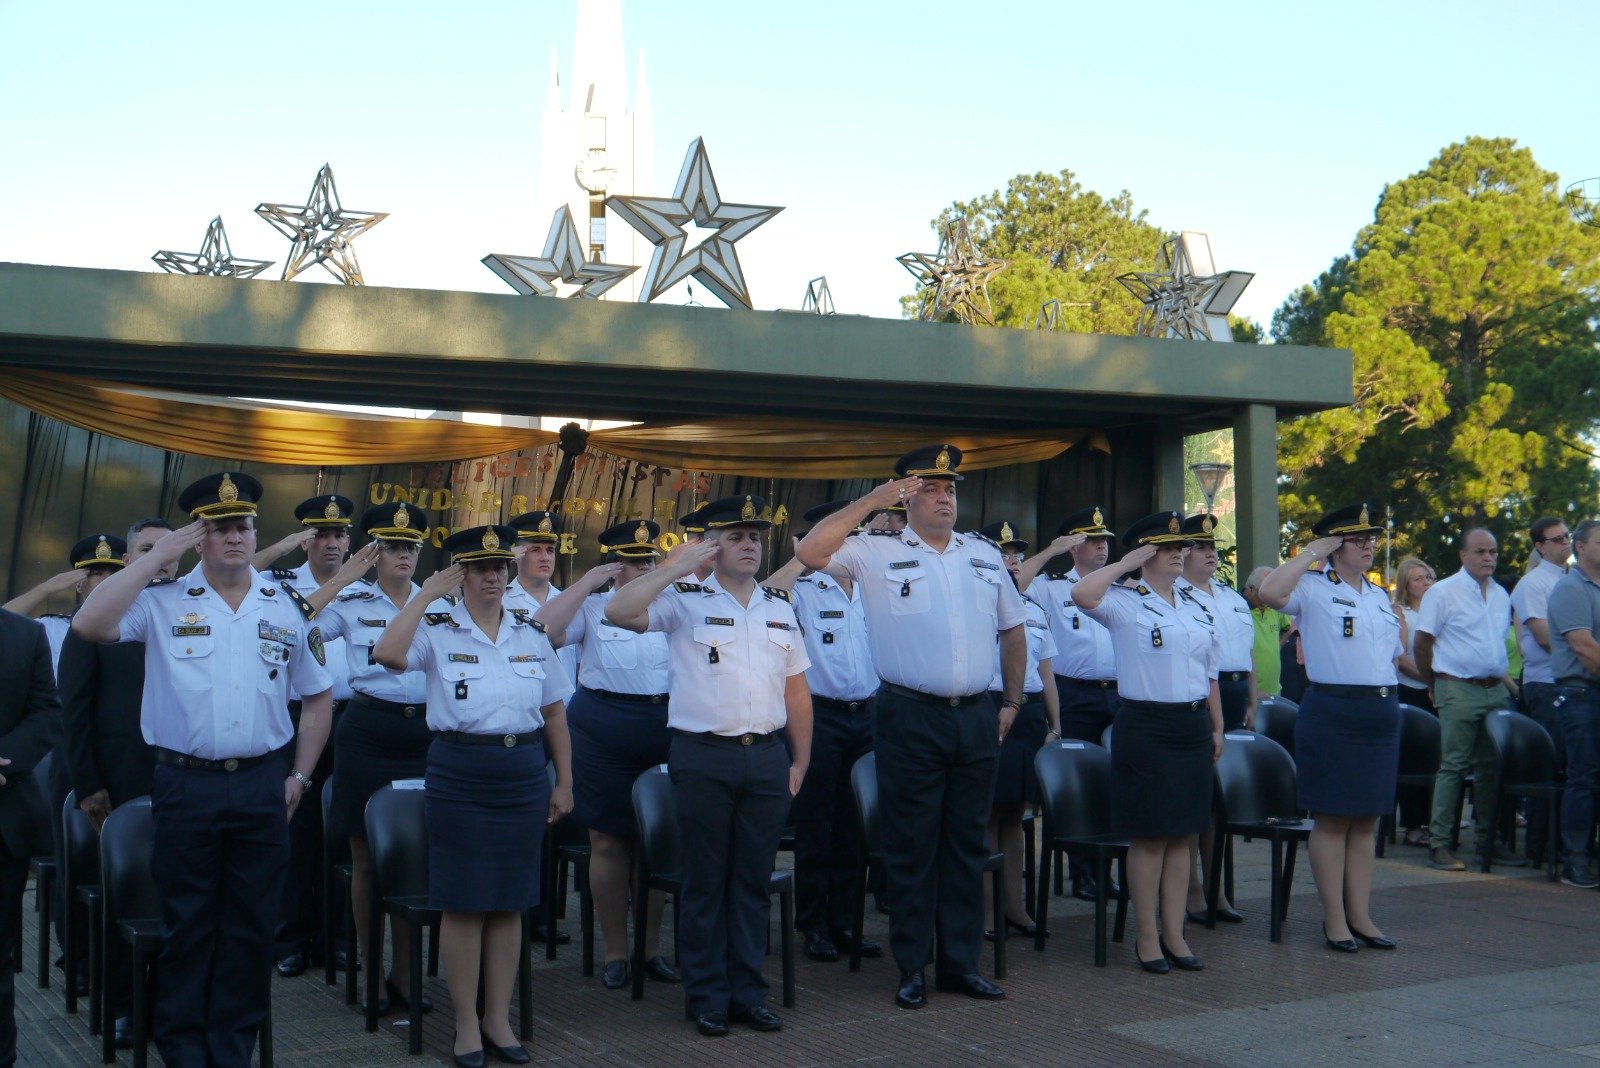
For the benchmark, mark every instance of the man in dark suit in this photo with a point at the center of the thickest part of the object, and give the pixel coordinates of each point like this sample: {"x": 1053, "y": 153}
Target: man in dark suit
{"x": 30, "y": 726}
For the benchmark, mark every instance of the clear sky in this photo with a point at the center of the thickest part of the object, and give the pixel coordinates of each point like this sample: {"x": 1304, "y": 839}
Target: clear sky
{"x": 1272, "y": 126}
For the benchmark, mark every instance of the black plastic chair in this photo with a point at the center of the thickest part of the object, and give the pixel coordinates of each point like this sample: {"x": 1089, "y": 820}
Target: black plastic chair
{"x": 1256, "y": 798}
{"x": 660, "y": 868}
{"x": 1275, "y": 716}
{"x": 1419, "y": 761}
{"x": 566, "y": 849}
{"x": 81, "y": 923}
{"x": 43, "y": 869}
{"x": 1526, "y": 758}
{"x": 1075, "y": 783}
{"x": 397, "y": 837}
{"x": 864, "y": 784}
{"x": 338, "y": 915}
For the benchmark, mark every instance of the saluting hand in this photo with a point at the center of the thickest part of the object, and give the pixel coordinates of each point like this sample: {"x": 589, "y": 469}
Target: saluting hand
{"x": 685, "y": 558}
{"x": 601, "y": 574}
{"x": 170, "y": 547}
{"x": 894, "y": 492}
{"x": 357, "y": 566}
{"x": 442, "y": 582}
{"x": 1323, "y": 548}
{"x": 1136, "y": 558}
{"x": 560, "y": 803}
{"x": 1066, "y": 543}
{"x": 66, "y": 580}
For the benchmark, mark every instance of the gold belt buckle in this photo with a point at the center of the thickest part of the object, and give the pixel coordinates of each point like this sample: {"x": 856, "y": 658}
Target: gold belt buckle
{"x": 511, "y": 741}
{"x": 230, "y": 765}
{"x": 748, "y": 739}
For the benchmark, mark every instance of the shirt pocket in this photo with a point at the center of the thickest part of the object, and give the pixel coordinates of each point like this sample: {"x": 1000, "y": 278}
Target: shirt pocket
{"x": 618, "y": 649}
{"x": 782, "y": 642}
{"x": 192, "y": 658}
{"x": 986, "y": 592}
{"x": 529, "y": 675}
{"x": 712, "y": 644}
{"x": 275, "y": 656}
{"x": 908, "y": 591}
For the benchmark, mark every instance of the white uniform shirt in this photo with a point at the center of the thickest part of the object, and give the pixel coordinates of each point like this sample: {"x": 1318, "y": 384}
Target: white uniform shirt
{"x": 1083, "y": 647}
{"x": 1166, "y": 653}
{"x": 1531, "y": 600}
{"x": 729, "y": 663}
{"x": 932, "y": 616}
{"x": 615, "y": 658}
{"x": 216, "y": 680}
{"x": 1041, "y": 646}
{"x": 1468, "y": 627}
{"x": 518, "y": 597}
{"x": 835, "y": 627}
{"x": 359, "y": 617}
{"x": 479, "y": 686}
{"x": 338, "y": 657}
{"x": 1349, "y": 637}
{"x": 1235, "y": 629}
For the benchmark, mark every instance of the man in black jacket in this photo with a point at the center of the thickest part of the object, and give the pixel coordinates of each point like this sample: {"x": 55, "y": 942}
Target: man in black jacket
{"x": 30, "y": 726}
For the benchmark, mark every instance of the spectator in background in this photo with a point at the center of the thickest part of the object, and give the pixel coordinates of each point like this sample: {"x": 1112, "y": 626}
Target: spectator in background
{"x": 1411, "y": 580}
{"x": 1270, "y": 627}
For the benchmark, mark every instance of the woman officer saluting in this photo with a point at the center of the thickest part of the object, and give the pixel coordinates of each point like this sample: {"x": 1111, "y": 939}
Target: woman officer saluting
{"x": 495, "y": 701}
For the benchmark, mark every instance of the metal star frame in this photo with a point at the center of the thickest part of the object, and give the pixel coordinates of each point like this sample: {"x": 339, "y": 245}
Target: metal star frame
{"x": 819, "y": 298}
{"x": 955, "y": 279}
{"x": 1185, "y": 297}
{"x": 562, "y": 261}
{"x": 215, "y": 258}
{"x": 662, "y": 221}
{"x": 321, "y": 231}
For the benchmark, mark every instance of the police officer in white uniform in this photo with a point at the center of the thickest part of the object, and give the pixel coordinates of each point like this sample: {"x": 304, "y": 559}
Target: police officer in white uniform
{"x": 223, "y": 644}
{"x": 844, "y": 688}
{"x": 935, "y": 600}
{"x": 538, "y": 544}
{"x": 737, "y": 666}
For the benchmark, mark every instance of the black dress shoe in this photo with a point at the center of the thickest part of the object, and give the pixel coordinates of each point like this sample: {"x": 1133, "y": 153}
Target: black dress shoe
{"x": 658, "y": 969}
{"x": 615, "y": 975}
{"x": 972, "y": 984}
{"x": 760, "y": 1018}
{"x": 1344, "y": 945}
{"x": 820, "y": 948}
{"x": 468, "y": 1060}
{"x": 1190, "y": 963}
{"x": 913, "y": 991}
{"x": 400, "y": 1001}
{"x": 292, "y": 965}
{"x": 509, "y": 1054}
{"x": 1229, "y": 915}
{"x": 843, "y": 938}
{"x": 122, "y": 1034}
{"x": 713, "y": 1024}
{"x": 1026, "y": 929}
{"x": 1375, "y": 941}
{"x": 1159, "y": 966}
{"x": 1084, "y": 889}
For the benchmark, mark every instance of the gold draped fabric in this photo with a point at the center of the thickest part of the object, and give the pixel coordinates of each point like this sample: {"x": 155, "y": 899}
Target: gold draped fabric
{"x": 303, "y": 437}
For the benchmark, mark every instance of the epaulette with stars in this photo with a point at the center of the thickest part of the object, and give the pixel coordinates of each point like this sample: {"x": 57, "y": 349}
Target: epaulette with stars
{"x": 283, "y": 573}
{"x": 521, "y": 616}
{"x": 358, "y": 595}
{"x": 773, "y": 592}
{"x": 300, "y": 602}
{"x": 435, "y": 619}
{"x": 690, "y": 587}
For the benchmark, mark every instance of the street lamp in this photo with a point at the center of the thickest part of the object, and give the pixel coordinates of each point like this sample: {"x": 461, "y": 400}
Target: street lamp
{"x": 1210, "y": 477}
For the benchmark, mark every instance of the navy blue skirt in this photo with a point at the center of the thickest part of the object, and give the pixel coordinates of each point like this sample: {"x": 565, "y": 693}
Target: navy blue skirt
{"x": 377, "y": 747}
{"x": 486, "y": 808}
{"x": 1014, "y": 781}
{"x": 1161, "y": 771}
{"x": 613, "y": 743}
{"x": 1347, "y": 753}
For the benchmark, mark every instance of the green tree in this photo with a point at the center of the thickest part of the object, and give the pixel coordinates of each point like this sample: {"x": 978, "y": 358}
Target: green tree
{"x": 1469, "y": 304}
{"x": 1065, "y": 243}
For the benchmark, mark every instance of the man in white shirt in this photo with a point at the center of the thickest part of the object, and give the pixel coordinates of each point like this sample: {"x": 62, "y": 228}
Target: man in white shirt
{"x": 1461, "y": 655}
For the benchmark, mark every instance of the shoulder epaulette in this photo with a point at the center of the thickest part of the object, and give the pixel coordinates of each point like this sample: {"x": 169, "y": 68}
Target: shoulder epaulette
{"x": 782, "y": 595}
{"x": 522, "y": 616}
{"x": 300, "y": 602}
{"x": 436, "y": 618}
{"x": 1333, "y": 576}
{"x": 160, "y": 582}
{"x": 1142, "y": 590}
{"x": 450, "y": 597}
{"x": 359, "y": 595}
{"x": 689, "y": 587}
{"x": 283, "y": 573}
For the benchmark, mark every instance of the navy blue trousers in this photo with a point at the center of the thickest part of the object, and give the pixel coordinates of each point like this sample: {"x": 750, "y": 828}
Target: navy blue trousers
{"x": 827, "y": 828}
{"x": 300, "y": 928}
{"x": 732, "y": 801}
{"x": 221, "y": 844}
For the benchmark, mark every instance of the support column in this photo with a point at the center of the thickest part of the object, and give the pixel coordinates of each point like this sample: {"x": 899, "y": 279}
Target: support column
{"x": 1169, "y": 468}
{"x": 1255, "y": 453}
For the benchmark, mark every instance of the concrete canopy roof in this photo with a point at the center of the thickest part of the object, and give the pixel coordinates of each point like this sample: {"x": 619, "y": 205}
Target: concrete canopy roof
{"x": 661, "y": 363}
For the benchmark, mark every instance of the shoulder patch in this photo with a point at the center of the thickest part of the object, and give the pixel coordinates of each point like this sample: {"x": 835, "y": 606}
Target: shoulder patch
{"x": 781, "y": 595}
{"x": 314, "y": 644}
{"x": 689, "y": 587}
{"x": 283, "y": 573}
{"x": 300, "y": 602}
{"x": 434, "y": 619}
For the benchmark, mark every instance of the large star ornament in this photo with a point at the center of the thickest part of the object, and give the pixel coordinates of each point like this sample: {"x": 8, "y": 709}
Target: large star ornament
{"x": 215, "y": 258}
{"x": 1185, "y": 297}
{"x": 562, "y": 261}
{"x": 321, "y": 231}
{"x": 662, "y": 221}
{"x": 955, "y": 279}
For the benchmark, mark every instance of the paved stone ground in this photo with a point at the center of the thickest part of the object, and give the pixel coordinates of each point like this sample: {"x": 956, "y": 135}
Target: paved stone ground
{"x": 1495, "y": 969}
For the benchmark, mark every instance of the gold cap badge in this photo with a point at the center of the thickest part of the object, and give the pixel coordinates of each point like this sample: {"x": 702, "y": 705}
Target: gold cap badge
{"x": 942, "y": 461}
{"x": 748, "y": 512}
{"x": 641, "y": 534}
{"x": 332, "y": 511}
{"x": 1205, "y": 525}
{"x": 545, "y": 527}
{"x": 227, "y": 492}
{"x": 1005, "y": 532}
{"x": 1173, "y": 526}
{"x": 1099, "y": 520}
{"x": 491, "y": 540}
{"x": 1365, "y": 519}
{"x": 102, "y": 551}
{"x": 402, "y": 518}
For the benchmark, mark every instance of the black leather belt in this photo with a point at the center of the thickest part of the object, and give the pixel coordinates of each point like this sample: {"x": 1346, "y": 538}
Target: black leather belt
{"x": 632, "y": 698}
{"x": 726, "y": 739}
{"x": 1093, "y": 684}
{"x": 1167, "y": 706}
{"x": 1027, "y": 698}
{"x": 366, "y": 700}
{"x": 834, "y": 702}
{"x": 509, "y": 741}
{"x": 935, "y": 699}
{"x": 1488, "y": 682}
{"x": 1577, "y": 683}
{"x": 1333, "y": 690}
{"x": 184, "y": 760}
{"x": 1233, "y": 676}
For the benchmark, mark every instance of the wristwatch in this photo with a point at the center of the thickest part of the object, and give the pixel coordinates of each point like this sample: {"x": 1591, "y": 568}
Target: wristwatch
{"x": 304, "y": 779}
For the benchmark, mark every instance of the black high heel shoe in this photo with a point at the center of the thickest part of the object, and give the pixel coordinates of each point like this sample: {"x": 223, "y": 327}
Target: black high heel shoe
{"x": 1191, "y": 963}
{"x": 1159, "y": 966}
{"x": 1344, "y": 945}
{"x": 1026, "y": 929}
{"x": 1375, "y": 941}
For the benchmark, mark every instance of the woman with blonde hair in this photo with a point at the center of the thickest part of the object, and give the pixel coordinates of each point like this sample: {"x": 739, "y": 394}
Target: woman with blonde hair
{"x": 1411, "y": 580}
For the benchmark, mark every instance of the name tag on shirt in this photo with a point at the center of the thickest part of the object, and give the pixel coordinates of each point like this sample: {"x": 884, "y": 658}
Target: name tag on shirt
{"x": 463, "y": 658}
{"x": 719, "y": 621}
{"x": 1341, "y": 600}
{"x": 835, "y": 614}
{"x": 527, "y": 658}
{"x": 777, "y": 625}
{"x": 900, "y": 565}
{"x": 191, "y": 631}
{"x": 987, "y": 565}
{"x": 372, "y": 622}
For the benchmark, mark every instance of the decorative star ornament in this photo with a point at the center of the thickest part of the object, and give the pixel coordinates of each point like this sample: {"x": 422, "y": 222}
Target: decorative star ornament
{"x": 562, "y": 262}
{"x": 1185, "y": 297}
{"x": 321, "y": 231}
{"x": 661, "y": 220}
{"x": 955, "y": 279}
{"x": 215, "y": 258}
